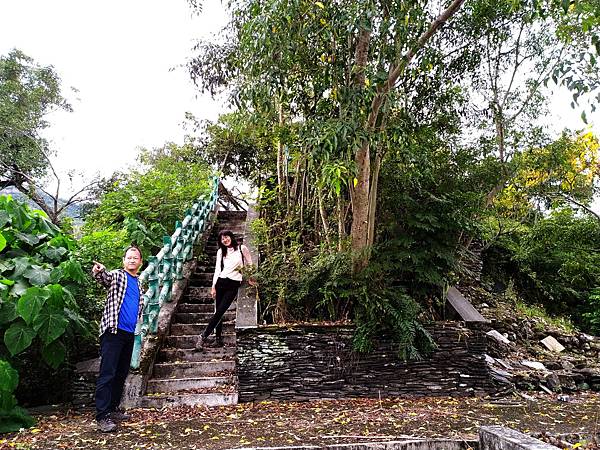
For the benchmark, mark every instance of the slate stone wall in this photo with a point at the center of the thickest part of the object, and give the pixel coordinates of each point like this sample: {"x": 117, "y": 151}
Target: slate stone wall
{"x": 310, "y": 362}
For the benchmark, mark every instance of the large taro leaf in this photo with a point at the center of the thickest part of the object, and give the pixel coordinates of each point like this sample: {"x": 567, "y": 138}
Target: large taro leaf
{"x": 7, "y": 402}
{"x": 14, "y": 419}
{"x": 37, "y": 275}
{"x": 9, "y": 377}
{"x": 18, "y": 337}
{"x": 72, "y": 269}
{"x": 5, "y": 283}
{"x": 30, "y": 239}
{"x": 56, "y": 299}
{"x": 2, "y": 241}
{"x": 85, "y": 329}
{"x": 54, "y": 253}
{"x": 21, "y": 285}
{"x": 31, "y": 303}
{"x": 50, "y": 324}
{"x": 54, "y": 353}
{"x": 6, "y": 265}
{"x": 4, "y": 218}
{"x": 21, "y": 264}
{"x": 8, "y": 311}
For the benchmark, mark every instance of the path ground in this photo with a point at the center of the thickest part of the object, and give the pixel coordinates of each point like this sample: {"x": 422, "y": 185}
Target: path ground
{"x": 268, "y": 424}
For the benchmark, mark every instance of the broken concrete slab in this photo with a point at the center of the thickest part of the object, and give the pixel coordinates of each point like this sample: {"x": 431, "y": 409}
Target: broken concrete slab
{"x": 499, "y": 337}
{"x": 501, "y": 438}
{"x": 552, "y": 344}
{"x": 463, "y": 307}
{"x": 534, "y": 365}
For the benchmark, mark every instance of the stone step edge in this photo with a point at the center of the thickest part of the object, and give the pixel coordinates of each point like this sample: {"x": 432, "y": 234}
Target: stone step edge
{"x": 162, "y": 401}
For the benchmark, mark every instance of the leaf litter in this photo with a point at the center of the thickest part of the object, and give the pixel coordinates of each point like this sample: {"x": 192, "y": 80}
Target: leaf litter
{"x": 323, "y": 422}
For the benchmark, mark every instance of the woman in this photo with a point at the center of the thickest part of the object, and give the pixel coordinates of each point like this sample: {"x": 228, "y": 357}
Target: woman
{"x": 231, "y": 259}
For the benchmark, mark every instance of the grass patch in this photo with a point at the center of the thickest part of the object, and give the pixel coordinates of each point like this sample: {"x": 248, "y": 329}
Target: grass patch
{"x": 544, "y": 319}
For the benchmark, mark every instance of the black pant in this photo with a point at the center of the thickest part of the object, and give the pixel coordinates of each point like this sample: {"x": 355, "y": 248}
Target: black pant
{"x": 227, "y": 290}
{"x": 115, "y": 351}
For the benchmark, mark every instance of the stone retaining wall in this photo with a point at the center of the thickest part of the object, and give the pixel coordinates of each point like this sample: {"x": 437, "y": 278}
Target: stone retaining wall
{"x": 309, "y": 362}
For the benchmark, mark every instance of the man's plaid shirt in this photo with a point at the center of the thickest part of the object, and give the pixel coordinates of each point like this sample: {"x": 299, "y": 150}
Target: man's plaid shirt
{"x": 116, "y": 283}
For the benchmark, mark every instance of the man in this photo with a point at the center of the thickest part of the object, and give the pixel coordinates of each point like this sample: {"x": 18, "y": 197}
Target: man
{"x": 117, "y": 327}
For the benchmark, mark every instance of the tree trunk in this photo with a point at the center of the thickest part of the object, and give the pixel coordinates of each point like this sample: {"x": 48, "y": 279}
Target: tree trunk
{"x": 323, "y": 214}
{"x": 280, "y": 178}
{"x": 362, "y": 194}
{"x": 373, "y": 198}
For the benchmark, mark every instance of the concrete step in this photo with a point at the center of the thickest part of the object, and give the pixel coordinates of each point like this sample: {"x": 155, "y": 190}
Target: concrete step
{"x": 202, "y": 276}
{"x": 191, "y": 369}
{"x": 173, "y": 355}
{"x": 197, "y": 318}
{"x": 194, "y": 282}
{"x": 195, "y": 293}
{"x": 201, "y": 309}
{"x": 189, "y": 341}
{"x": 200, "y": 300}
{"x": 183, "y": 329}
{"x": 160, "y": 401}
{"x": 183, "y": 384}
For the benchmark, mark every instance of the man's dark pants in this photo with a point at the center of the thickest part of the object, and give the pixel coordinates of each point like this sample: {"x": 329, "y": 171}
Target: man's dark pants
{"x": 115, "y": 351}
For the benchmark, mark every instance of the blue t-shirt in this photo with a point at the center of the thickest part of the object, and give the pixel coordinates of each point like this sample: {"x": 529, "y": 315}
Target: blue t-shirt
{"x": 129, "y": 308}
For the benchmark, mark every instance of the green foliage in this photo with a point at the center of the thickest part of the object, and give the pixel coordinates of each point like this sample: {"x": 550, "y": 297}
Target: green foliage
{"x": 300, "y": 287}
{"x": 554, "y": 262}
{"x": 12, "y": 418}
{"x": 27, "y": 93}
{"x": 147, "y": 204}
{"x": 38, "y": 274}
{"x": 592, "y": 316}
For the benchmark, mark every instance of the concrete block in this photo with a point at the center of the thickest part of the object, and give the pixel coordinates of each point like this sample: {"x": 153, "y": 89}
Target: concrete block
{"x": 552, "y": 344}
{"x": 501, "y": 438}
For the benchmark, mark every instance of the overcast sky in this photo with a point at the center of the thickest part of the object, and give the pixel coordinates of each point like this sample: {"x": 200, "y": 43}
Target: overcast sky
{"x": 123, "y": 57}
{"x": 120, "y": 56}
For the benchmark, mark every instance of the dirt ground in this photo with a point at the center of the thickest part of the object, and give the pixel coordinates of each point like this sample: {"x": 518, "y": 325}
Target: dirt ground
{"x": 326, "y": 422}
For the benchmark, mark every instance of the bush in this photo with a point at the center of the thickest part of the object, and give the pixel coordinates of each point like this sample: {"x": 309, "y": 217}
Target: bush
{"x": 38, "y": 279}
{"x": 553, "y": 262}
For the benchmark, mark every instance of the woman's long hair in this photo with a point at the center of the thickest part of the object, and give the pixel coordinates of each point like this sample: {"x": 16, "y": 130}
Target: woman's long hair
{"x": 234, "y": 242}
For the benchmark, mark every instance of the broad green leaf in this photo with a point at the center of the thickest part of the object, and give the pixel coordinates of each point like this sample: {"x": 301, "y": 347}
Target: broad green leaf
{"x": 7, "y": 282}
{"x": 73, "y": 270}
{"x": 37, "y": 276}
{"x": 19, "y": 288}
{"x": 21, "y": 264}
{"x": 56, "y": 299}
{"x": 14, "y": 418}
{"x": 18, "y": 337}
{"x": 4, "y": 218}
{"x": 8, "y": 311}
{"x": 7, "y": 402}
{"x": 54, "y": 353}
{"x": 30, "y": 304}
{"x": 50, "y": 324}
{"x": 56, "y": 274}
{"x": 2, "y": 242}
{"x": 9, "y": 377}
{"x": 54, "y": 253}
{"x": 30, "y": 239}
{"x": 6, "y": 265}
{"x": 81, "y": 326}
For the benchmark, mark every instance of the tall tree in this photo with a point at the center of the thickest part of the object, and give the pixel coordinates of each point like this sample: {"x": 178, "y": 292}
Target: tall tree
{"x": 28, "y": 93}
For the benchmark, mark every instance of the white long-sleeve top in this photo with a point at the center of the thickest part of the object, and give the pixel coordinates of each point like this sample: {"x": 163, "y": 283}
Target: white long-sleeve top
{"x": 232, "y": 263}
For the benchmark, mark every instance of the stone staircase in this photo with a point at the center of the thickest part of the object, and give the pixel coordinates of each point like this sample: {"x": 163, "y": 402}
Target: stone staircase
{"x": 182, "y": 376}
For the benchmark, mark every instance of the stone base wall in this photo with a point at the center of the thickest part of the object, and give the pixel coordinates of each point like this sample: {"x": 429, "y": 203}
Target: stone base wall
{"x": 311, "y": 362}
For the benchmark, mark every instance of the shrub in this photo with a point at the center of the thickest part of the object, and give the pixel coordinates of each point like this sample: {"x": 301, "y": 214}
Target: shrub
{"x": 38, "y": 278}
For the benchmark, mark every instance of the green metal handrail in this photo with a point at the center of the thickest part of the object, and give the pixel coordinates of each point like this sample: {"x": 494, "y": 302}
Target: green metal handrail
{"x": 167, "y": 266}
